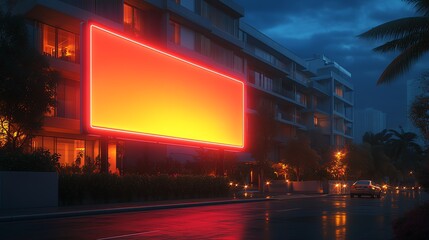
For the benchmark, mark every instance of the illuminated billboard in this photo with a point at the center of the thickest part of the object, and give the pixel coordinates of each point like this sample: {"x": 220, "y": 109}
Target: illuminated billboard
{"x": 135, "y": 91}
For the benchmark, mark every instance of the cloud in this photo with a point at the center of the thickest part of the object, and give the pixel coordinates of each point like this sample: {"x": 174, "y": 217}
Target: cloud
{"x": 330, "y": 27}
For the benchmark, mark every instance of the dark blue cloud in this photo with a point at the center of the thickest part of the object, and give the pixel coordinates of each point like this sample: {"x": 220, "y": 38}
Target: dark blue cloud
{"x": 330, "y": 27}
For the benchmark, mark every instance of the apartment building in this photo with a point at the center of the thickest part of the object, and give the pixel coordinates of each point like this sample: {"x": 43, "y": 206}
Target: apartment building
{"x": 339, "y": 102}
{"x": 308, "y": 94}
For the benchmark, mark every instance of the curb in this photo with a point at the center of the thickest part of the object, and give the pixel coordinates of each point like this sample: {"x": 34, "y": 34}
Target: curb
{"x": 79, "y": 213}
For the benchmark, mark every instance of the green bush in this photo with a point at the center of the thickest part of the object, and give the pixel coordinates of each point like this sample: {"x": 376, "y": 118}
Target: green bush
{"x": 38, "y": 161}
{"x": 109, "y": 188}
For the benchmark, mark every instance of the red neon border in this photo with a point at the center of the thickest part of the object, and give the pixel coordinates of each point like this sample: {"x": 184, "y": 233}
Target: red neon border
{"x": 87, "y": 100}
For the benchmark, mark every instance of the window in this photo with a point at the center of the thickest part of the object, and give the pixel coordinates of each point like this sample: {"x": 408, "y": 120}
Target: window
{"x": 60, "y": 44}
{"x": 182, "y": 36}
{"x": 260, "y": 80}
{"x": 68, "y": 99}
{"x": 301, "y": 98}
{"x": 219, "y": 18}
{"x": 315, "y": 121}
{"x": 189, "y": 4}
{"x": 133, "y": 20}
{"x": 338, "y": 91}
{"x": 70, "y": 150}
{"x": 188, "y": 38}
{"x": 238, "y": 63}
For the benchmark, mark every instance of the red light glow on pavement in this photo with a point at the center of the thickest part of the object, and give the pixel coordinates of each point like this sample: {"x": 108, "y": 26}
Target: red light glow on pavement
{"x": 135, "y": 91}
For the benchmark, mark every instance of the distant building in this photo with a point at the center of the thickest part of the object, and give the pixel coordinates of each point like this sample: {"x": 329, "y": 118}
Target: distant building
{"x": 337, "y": 108}
{"x": 368, "y": 120}
{"x": 316, "y": 94}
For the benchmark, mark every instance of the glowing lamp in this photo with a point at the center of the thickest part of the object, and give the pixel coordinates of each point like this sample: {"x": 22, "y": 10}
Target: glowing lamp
{"x": 136, "y": 91}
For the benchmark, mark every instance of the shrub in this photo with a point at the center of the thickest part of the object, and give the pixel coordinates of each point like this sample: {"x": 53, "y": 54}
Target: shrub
{"x": 413, "y": 225}
{"x": 109, "y": 188}
{"x": 39, "y": 161}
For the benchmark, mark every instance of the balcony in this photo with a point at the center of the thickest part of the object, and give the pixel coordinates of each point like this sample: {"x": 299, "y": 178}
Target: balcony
{"x": 321, "y": 88}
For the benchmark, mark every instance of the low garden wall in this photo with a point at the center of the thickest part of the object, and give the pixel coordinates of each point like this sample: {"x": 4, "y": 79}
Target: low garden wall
{"x": 28, "y": 189}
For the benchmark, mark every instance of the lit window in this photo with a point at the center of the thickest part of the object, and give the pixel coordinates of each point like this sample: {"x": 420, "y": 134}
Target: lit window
{"x": 71, "y": 151}
{"x": 59, "y": 43}
{"x": 133, "y": 20}
{"x": 315, "y": 121}
{"x": 338, "y": 91}
{"x": 175, "y": 32}
{"x": 49, "y": 41}
{"x": 128, "y": 17}
{"x": 66, "y": 45}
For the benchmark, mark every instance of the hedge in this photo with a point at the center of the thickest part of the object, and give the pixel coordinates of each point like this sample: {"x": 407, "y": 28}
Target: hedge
{"x": 109, "y": 188}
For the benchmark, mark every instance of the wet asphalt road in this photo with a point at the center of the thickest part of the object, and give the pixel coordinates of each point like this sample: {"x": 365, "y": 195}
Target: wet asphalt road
{"x": 312, "y": 217}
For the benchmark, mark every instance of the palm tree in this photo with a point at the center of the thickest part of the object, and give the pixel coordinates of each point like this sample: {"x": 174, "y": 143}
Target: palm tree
{"x": 378, "y": 139}
{"x": 408, "y": 35}
{"x": 402, "y": 144}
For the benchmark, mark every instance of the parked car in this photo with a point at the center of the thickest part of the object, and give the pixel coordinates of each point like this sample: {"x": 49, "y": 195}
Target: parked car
{"x": 365, "y": 187}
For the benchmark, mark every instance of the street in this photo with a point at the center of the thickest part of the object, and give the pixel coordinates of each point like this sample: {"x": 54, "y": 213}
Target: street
{"x": 304, "y": 217}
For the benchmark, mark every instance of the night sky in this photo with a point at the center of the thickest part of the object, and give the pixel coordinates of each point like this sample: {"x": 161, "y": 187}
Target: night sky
{"x": 330, "y": 27}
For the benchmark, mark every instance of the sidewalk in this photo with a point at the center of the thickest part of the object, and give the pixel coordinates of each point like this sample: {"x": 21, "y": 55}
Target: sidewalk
{"x": 10, "y": 215}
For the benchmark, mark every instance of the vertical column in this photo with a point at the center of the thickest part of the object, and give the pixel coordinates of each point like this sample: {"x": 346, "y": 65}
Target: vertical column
{"x": 104, "y": 168}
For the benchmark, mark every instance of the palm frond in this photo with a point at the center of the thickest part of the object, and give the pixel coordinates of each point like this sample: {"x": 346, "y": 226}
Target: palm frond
{"x": 403, "y": 61}
{"x": 402, "y": 43}
{"x": 422, "y": 6}
{"x": 398, "y": 28}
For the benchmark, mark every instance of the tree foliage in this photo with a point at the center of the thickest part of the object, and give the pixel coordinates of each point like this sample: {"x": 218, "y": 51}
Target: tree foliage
{"x": 263, "y": 132}
{"x": 419, "y": 110}
{"x": 419, "y": 114}
{"x": 401, "y": 144}
{"x": 27, "y": 84}
{"x": 389, "y": 154}
{"x": 360, "y": 161}
{"x": 409, "y": 36}
{"x": 301, "y": 157}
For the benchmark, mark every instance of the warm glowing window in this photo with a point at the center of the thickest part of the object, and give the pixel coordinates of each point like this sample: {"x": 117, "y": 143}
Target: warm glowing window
{"x": 182, "y": 35}
{"x": 59, "y": 43}
{"x": 111, "y": 149}
{"x": 338, "y": 91}
{"x": 49, "y": 44}
{"x": 66, "y": 45}
{"x": 315, "y": 121}
{"x": 133, "y": 20}
{"x": 71, "y": 151}
{"x": 128, "y": 17}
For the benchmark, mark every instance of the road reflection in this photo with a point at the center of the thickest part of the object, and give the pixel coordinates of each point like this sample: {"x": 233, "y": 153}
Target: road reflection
{"x": 207, "y": 224}
{"x": 314, "y": 217}
{"x": 335, "y": 223}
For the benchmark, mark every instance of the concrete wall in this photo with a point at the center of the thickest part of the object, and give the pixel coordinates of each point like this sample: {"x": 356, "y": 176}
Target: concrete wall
{"x": 327, "y": 187}
{"x": 279, "y": 187}
{"x": 308, "y": 186}
{"x": 28, "y": 189}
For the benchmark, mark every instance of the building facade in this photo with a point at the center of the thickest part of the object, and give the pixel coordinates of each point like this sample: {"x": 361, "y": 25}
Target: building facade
{"x": 307, "y": 95}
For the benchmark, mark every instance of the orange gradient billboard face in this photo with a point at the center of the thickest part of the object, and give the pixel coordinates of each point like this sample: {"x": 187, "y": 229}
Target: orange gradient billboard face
{"x": 136, "y": 91}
